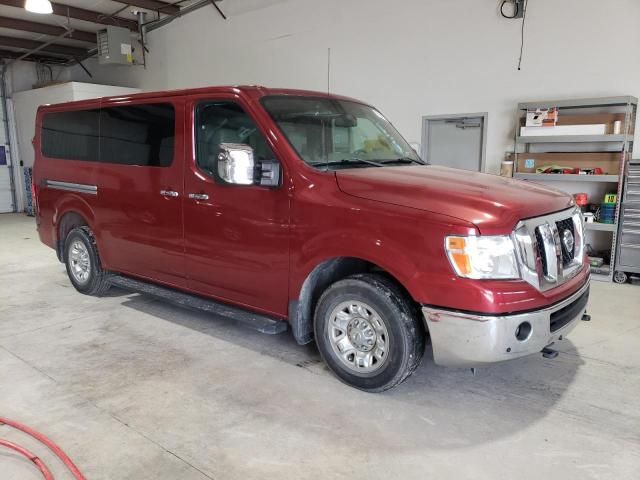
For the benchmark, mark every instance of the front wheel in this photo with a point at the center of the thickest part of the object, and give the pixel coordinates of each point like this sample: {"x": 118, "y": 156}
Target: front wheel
{"x": 368, "y": 332}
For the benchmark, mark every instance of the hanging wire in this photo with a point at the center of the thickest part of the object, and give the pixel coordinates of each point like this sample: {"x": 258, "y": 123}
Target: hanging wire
{"x": 524, "y": 17}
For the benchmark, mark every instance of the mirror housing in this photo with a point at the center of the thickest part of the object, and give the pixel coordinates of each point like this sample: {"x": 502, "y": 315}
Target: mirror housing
{"x": 237, "y": 166}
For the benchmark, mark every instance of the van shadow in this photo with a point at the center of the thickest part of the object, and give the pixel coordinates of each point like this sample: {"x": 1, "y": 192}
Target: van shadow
{"x": 446, "y": 408}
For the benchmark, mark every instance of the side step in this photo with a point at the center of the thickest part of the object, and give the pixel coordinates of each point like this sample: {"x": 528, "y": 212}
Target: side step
{"x": 253, "y": 320}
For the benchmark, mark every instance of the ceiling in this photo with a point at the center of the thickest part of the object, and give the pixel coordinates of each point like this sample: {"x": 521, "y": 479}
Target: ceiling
{"x": 69, "y": 34}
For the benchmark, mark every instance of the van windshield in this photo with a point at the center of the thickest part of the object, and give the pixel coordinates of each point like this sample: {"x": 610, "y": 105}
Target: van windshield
{"x": 334, "y": 134}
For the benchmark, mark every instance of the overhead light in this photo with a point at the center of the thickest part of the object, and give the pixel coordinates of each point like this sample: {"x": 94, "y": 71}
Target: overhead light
{"x": 38, "y": 6}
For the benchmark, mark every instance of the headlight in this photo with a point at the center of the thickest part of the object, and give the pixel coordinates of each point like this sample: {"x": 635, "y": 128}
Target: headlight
{"x": 483, "y": 257}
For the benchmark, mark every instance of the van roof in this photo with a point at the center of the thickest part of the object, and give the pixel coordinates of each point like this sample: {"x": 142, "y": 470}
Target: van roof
{"x": 253, "y": 92}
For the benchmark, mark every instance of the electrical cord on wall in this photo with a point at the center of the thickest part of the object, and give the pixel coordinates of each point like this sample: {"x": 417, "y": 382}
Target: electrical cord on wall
{"x": 524, "y": 17}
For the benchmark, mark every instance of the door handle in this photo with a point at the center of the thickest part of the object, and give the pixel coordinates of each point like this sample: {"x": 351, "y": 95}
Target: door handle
{"x": 199, "y": 196}
{"x": 169, "y": 193}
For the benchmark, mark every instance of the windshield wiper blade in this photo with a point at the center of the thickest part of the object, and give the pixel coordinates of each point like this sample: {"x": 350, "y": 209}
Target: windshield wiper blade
{"x": 355, "y": 161}
{"x": 404, "y": 160}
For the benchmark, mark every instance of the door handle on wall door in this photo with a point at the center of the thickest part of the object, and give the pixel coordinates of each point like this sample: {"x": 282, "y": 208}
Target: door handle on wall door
{"x": 199, "y": 196}
{"x": 169, "y": 193}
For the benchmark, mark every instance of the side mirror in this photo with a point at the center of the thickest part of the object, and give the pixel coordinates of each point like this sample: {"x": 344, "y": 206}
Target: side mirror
{"x": 237, "y": 166}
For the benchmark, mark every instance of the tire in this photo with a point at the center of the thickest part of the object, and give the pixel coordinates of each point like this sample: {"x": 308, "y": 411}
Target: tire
{"x": 620, "y": 277}
{"x": 83, "y": 263}
{"x": 368, "y": 332}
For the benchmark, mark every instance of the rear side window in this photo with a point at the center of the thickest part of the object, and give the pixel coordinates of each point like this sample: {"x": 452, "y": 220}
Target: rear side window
{"x": 138, "y": 134}
{"x": 71, "y": 135}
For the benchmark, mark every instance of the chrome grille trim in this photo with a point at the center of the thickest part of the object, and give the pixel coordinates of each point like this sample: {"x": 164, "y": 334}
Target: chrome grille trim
{"x": 541, "y": 265}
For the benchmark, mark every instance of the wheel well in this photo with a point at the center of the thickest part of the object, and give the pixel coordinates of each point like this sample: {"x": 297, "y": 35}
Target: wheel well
{"x": 68, "y": 222}
{"x": 322, "y": 276}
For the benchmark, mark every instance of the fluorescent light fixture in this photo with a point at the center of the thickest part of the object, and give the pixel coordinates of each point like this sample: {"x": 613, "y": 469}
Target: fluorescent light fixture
{"x": 38, "y": 6}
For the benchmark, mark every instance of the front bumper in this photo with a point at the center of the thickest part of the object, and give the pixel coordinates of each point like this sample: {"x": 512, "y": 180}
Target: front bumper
{"x": 462, "y": 339}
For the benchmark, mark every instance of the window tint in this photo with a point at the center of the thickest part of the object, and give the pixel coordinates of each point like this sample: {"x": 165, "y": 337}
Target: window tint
{"x": 138, "y": 134}
{"x": 128, "y": 135}
{"x": 225, "y": 122}
{"x": 72, "y": 135}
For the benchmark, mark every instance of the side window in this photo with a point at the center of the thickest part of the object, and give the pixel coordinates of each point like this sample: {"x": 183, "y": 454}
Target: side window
{"x": 138, "y": 134}
{"x": 225, "y": 122}
{"x": 71, "y": 135}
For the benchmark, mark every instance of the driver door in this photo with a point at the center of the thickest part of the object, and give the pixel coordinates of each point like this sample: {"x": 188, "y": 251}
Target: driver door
{"x": 236, "y": 236}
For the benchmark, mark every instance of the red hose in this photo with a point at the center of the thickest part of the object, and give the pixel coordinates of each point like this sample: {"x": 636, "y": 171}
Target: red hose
{"x": 23, "y": 451}
{"x": 52, "y": 446}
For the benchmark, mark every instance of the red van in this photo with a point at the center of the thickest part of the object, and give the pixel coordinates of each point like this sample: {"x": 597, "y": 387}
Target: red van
{"x": 281, "y": 207}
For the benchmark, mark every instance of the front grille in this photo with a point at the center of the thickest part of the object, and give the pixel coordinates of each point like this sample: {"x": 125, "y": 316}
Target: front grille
{"x": 540, "y": 252}
{"x": 544, "y": 258}
{"x": 567, "y": 255}
{"x": 563, "y": 316}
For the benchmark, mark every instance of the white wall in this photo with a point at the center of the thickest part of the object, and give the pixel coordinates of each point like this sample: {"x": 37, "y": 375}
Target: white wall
{"x": 410, "y": 58}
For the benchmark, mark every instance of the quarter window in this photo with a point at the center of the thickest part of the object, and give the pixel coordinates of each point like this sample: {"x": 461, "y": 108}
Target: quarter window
{"x": 225, "y": 122}
{"x": 71, "y": 135}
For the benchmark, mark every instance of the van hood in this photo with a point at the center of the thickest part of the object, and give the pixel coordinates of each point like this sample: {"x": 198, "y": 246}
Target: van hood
{"x": 493, "y": 204}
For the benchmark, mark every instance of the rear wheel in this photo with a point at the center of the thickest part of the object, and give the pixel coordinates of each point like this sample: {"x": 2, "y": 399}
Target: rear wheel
{"x": 83, "y": 263}
{"x": 368, "y": 332}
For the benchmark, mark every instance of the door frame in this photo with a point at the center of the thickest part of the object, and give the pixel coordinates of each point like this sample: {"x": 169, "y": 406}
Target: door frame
{"x": 424, "y": 150}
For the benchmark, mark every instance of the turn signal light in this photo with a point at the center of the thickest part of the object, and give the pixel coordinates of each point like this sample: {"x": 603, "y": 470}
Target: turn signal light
{"x": 456, "y": 249}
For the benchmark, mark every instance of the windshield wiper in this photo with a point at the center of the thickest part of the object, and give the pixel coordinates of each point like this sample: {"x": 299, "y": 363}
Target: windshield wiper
{"x": 351, "y": 161}
{"x": 404, "y": 160}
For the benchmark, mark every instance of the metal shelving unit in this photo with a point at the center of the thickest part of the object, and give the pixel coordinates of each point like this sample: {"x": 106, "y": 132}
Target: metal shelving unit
{"x": 559, "y": 144}
{"x": 601, "y": 227}
{"x": 546, "y": 177}
{"x": 573, "y": 138}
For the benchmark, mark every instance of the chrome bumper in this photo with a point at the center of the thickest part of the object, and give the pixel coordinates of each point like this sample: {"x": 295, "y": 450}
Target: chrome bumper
{"x": 469, "y": 340}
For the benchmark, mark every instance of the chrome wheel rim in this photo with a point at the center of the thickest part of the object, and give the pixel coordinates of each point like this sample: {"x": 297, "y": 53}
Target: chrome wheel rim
{"x": 358, "y": 337}
{"x": 79, "y": 261}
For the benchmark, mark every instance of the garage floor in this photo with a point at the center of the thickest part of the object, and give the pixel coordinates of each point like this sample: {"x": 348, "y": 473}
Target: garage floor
{"x": 133, "y": 388}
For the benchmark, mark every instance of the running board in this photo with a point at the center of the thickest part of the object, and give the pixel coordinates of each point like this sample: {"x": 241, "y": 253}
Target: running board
{"x": 253, "y": 320}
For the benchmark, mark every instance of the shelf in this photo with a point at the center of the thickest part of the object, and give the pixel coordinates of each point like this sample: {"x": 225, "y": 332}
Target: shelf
{"x": 565, "y": 177}
{"x": 574, "y": 138}
{"x": 601, "y": 227}
{"x": 581, "y": 103}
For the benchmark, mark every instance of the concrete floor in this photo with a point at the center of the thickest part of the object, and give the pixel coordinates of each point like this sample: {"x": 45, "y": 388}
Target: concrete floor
{"x": 133, "y": 388}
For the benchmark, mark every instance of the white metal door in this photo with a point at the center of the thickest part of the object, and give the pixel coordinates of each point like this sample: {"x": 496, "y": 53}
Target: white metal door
{"x": 456, "y": 141}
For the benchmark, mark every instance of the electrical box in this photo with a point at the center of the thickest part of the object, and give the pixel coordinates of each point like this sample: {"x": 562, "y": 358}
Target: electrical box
{"x": 114, "y": 46}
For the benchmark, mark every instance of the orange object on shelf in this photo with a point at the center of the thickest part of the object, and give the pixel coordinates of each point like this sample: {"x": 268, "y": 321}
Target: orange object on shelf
{"x": 581, "y": 199}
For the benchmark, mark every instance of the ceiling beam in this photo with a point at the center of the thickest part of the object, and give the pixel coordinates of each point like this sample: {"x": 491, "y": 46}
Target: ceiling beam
{"x": 31, "y": 58}
{"x": 46, "y": 29}
{"x": 81, "y": 14}
{"x": 54, "y": 48}
{"x": 155, "y": 5}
